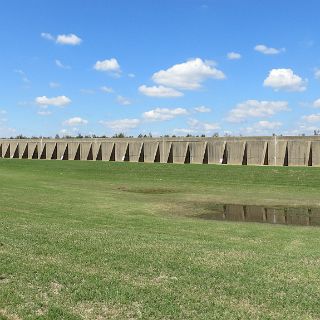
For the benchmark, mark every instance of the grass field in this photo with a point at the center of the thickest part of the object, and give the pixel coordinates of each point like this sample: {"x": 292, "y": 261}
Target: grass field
{"x": 102, "y": 240}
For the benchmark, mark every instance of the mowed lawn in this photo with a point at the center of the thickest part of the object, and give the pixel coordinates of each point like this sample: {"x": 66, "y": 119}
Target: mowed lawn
{"x": 104, "y": 240}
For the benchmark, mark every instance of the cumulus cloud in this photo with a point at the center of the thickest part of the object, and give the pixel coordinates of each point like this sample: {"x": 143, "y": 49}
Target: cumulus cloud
{"x": 255, "y": 108}
{"x": 203, "y": 126}
{"x": 317, "y": 73}
{"x": 267, "y": 50}
{"x": 76, "y": 121}
{"x": 59, "y": 64}
{"x": 122, "y": 124}
{"x": 233, "y": 56}
{"x": 202, "y": 109}
{"x": 163, "y": 114}
{"x": 59, "y": 101}
{"x": 68, "y": 39}
{"x": 284, "y": 79}
{"x": 160, "y": 92}
{"x": 316, "y": 103}
{"x": 188, "y": 75}
{"x": 64, "y": 39}
{"x": 264, "y": 124}
{"x": 108, "y": 65}
{"x": 312, "y": 118}
{"x": 123, "y": 100}
{"x": 106, "y": 89}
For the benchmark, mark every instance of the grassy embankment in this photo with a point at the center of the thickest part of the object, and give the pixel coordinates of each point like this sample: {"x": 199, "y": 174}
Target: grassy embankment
{"x": 99, "y": 240}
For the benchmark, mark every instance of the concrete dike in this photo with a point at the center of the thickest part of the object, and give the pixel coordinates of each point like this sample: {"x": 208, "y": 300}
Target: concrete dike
{"x": 275, "y": 150}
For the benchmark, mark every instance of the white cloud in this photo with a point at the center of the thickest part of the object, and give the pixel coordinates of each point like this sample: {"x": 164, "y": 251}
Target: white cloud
{"x": 23, "y": 76}
{"x": 160, "y": 92}
{"x": 267, "y": 50}
{"x": 44, "y": 112}
{"x": 255, "y": 108}
{"x": 163, "y": 114}
{"x": 108, "y": 65}
{"x": 184, "y": 131}
{"x": 76, "y": 121}
{"x": 68, "y": 39}
{"x": 87, "y": 91}
{"x": 131, "y": 75}
{"x": 312, "y": 118}
{"x": 202, "y": 109}
{"x": 59, "y": 101}
{"x": 188, "y": 75}
{"x": 61, "y": 65}
{"x": 233, "y": 56}
{"x": 264, "y": 124}
{"x": 122, "y": 124}
{"x": 54, "y": 85}
{"x": 262, "y": 127}
{"x": 284, "y": 79}
{"x": 106, "y": 89}
{"x": 47, "y": 36}
{"x": 317, "y": 73}
{"x": 64, "y": 39}
{"x": 123, "y": 100}
{"x": 316, "y": 103}
{"x": 203, "y": 126}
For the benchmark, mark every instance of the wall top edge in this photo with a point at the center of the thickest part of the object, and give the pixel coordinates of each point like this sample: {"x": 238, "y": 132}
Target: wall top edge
{"x": 189, "y": 139}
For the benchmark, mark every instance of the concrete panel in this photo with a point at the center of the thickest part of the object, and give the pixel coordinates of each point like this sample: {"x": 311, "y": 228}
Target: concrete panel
{"x": 121, "y": 149}
{"x": 150, "y": 149}
{"x": 235, "y": 152}
{"x": 96, "y": 150}
{"x": 42, "y": 150}
{"x": 215, "y": 151}
{"x": 255, "y": 214}
{"x": 62, "y": 150}
{"x": 14, "y": 149}
{"x": 298, "y": 153}
{"x": 315, "y": 153}
{"x": 277, "y": 152}
{"x": 85, "y": 149}
{"x": 135, "y": 148}
{"x": 73, "y": 151}
{"x": 166, "y": 154}
{"x": 179, "y": 151}
{"x": 197, "y": 150}
{"x": 106, "y": 150}
{"x": 276, "y": 216}
{"x": 32, "y": 150}
{"x": 297, "y": 216}
{"x": 23, "y": 150}
{"x": 256, "y": 152}
{"x": 5, "y": 150}
{"x": 234, "y": 212}
{"x": 51, "y": 150}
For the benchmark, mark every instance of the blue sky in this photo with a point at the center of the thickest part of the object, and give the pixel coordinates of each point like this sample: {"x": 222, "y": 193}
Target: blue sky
{"x": 162, "y": 66}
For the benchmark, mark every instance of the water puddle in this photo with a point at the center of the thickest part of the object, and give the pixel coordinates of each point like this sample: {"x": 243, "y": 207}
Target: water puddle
{"x": 276, "y": 215}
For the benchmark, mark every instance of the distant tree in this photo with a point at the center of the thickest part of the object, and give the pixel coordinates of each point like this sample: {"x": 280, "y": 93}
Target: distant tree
{"x": 150, "y": 135}
{"x": 203, "y": 136}
{"x": 316, "y": 132}
{"x": 119, "y": 135}
{"x": 57, "y": 136}
{"x": 215, "y": 135}
{"x": 79, "y": 136}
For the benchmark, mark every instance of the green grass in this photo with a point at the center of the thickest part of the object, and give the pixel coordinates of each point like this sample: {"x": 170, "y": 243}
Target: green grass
{"x": 101, "y": 240}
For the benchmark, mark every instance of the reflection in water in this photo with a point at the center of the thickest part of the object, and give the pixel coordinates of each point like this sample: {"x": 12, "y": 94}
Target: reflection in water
{"x": 279, "y": 215}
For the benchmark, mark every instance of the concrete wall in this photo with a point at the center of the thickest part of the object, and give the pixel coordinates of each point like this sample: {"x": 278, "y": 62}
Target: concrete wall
{"x": 279, "y": 151}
